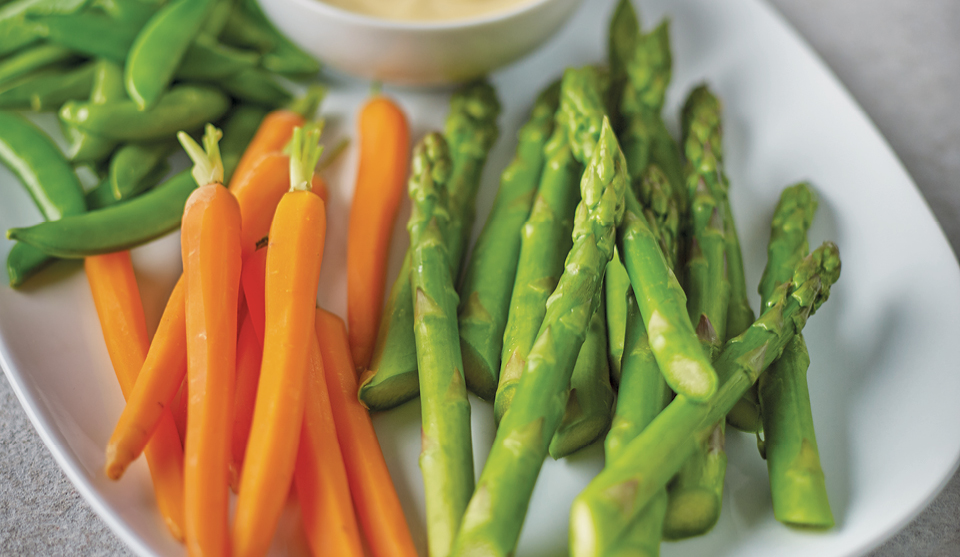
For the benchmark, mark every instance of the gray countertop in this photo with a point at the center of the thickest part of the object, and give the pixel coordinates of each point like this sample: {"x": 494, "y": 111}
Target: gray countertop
{"x": 901, "y": 61}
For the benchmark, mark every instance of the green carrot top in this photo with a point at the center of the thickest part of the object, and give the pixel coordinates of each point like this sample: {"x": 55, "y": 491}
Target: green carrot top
{"x": 305, "y": 151}
{"x": 207, "y": 163}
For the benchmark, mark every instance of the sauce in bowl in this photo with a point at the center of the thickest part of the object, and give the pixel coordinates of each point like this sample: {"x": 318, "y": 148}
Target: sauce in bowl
{"x": 426, "y": 10}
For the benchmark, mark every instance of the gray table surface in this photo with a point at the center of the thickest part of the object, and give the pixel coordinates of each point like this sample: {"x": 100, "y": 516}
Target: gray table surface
{"x": 901, "y": 61}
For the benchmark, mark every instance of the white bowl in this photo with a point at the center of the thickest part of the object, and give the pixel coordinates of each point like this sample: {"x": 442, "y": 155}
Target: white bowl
{"x": 414, "y": 53}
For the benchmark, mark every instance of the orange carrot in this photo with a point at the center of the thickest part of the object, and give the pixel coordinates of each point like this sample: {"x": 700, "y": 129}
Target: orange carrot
{"x": 321, "y": 476}
{"x": 210, "y": 238}
{"x": 251, "y": 279}
{"x": 154, "y": 390}
{"x": 275, "y": 131}
{"x": 293, "y": 272}
{"x": 258, "y": 194}
{"x": 384, "y": 150}
{"x": 378, "y": 506}
{"x": 117, "y": 299}
{"x": 249, "y": 355}
{"x": 180, "y": 402}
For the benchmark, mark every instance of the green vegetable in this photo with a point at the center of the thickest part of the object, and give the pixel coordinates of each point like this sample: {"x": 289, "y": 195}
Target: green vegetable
{"x": 182, "y": 107}
{"x": 256, "y": 86}
{"x": 210, "y": 61}
{"x": 87, "y": 147}
{"x": 621, "y": 41}
{"x": 90, "y": 33}
{"x": 793, "y": 461}
{"x": 159, "y": 47}
{"x": 470, "y": 132}
{"x": 489, "y": 275}
{"x": 116, "y": 228}
{"x": 590, "y": 402}
{"x": 616, "y": 285}
{"x": 247, "y": 27}
{"x": 495, "y": 515}
{"x": 32, "y": 59}
{"x": 132, "y": 162}
{"x": 545, "y": 237}
{"x": 602, "y": 512}
{"x": 664, "y": 308}
{"x": 49, "y": 88}
{"x": 47, "y": 176}
{"x": 102, "y": 195}
{"x": 446, "y": 458}
{"x": 17, "y": 32}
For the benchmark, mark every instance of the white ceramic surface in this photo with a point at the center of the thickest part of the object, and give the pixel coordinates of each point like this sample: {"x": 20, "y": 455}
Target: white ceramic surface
{"x": 883, "y": 379}
{"x": 421, "y": 54}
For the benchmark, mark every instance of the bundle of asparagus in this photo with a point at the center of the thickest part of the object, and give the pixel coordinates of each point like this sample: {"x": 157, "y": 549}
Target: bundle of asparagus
{"x": 634, "y": 280}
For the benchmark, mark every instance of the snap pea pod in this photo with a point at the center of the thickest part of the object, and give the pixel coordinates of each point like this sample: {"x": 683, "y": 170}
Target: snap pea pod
{"x": 32, "y": 59}
{"x": 238, "y": 128}
{"x": 102, "y": 195}
{"x": 90, "y": 33}
{"x": 209, "y": 60}
{"x": 183, "y": 107}
{"x": 132, "y": 162}
{"x": 120, "y": 227}
{"x": 85, "y": 146}
{"x": 159, "y": 47}
{"x": 217, "y": 17}
{"x": 130, "y": 12}
{"x": 256, "y": 86}
{"x": 490, "y": 273}
{"x": 246, "y": 31}
{"x": 248, "y": 27}
{"x": 16, "y": 32}
{"x": 48, "y": 89}
{"x": 45, "y": 173}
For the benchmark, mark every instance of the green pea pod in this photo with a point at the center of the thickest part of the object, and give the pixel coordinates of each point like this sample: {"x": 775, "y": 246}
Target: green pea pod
{"x": 184, "y": 107}
{"x": 32, "y": 59}
{"x": 90, "y": 33}
{"x": 46, "y": 175}
{"x": 87, "y": 147}
{"x": 245, "y": 31}
{"x": 48, "y": 89}
{"x": 209, "y": 60}
{"x": 158, "y": 49}
{"x": 248, "y": 28}
{"x": 238, "y": 129}
{"x": 16, "y": 32}
{"x": 115, "y": 228}
{"x": 102, "y": 195}
{"x": 132, "y": 163}
{"x": 130, "y": 12}
{"x": 218, "y": 17}
{"x": 289, "y": 61}
{"x": 256, "y": 86}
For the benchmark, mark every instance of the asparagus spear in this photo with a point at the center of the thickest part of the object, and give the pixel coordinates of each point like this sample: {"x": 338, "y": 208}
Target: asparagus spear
{"x": 590, "y": 403}
{"x": 545, "y": 237}
{"x": 616, "y": 286}
{"x": 391, "y": 378}
{"x": 793, "y": 462}
{"x": 604, "y": 509}
{"x": 446, "y": 458}
{"x": 489, "y": 276}
{"x": 495, "y": 514}
{"x": 621, "y": 41}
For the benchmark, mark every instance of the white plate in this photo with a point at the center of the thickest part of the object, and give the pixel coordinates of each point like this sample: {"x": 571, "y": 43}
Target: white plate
{"x": 883, "y": 379}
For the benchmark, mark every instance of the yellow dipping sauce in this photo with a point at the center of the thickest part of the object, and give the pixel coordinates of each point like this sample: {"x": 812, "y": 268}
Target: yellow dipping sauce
{"x": 426, "y": 10}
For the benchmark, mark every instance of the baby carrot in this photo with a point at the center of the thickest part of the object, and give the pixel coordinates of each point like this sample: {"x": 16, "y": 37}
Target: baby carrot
{"x": 293, "y": 271}
{"x": 210, "y": 238}
{"x": 180, "y": 402}
{"x": 322, "y": 480}
{"x": 249, "y": 355}
{"x": 384, "y": 149}
{"x": 117, "y": 298}
{"x": 251, "y": 280}
{"x": 373, "y": 493}
{"x": 162, "y": 373}
{"x": 275, "y": 131}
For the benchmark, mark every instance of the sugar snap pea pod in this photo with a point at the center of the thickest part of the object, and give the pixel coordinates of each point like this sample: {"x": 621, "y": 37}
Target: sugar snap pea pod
{"x": 89, "y": 33}
{"x": 590, "y": 402}
{"x": 490, "y": 273}
{"x": 120, "y": 227}
{"x": 238, "y": 128}
{"x": 132, "y": 162}
{"x": 247, "y": 26}
{"x": 16, "y": 32}
{"x": 47, "y": 176}
{"x": 85, "y": 146}
{"x": 254, "y": 85}
{"x": 492, "y": 523}
{"x": 793, "y": 461}
{"x": 246, "y": 31}
{"x": 446, "y": 458}
{"x": 47, "y": 89}
{"x": 159, "y": 47}
{"x": 130, "y": 12}
{"x": 209, "y": 60}
{"x": 289, "y": 61}
{"x": 217, "y": 18}
{"x": 470, "y": 132}
{"x": 602, "y": 511}
{"x": 545, "y": 238}
{"x": 31, "y": 59}
{"x": 182, "y": 107}
{"x": 102, "y": 194}
{"x": 663, "y": 305}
